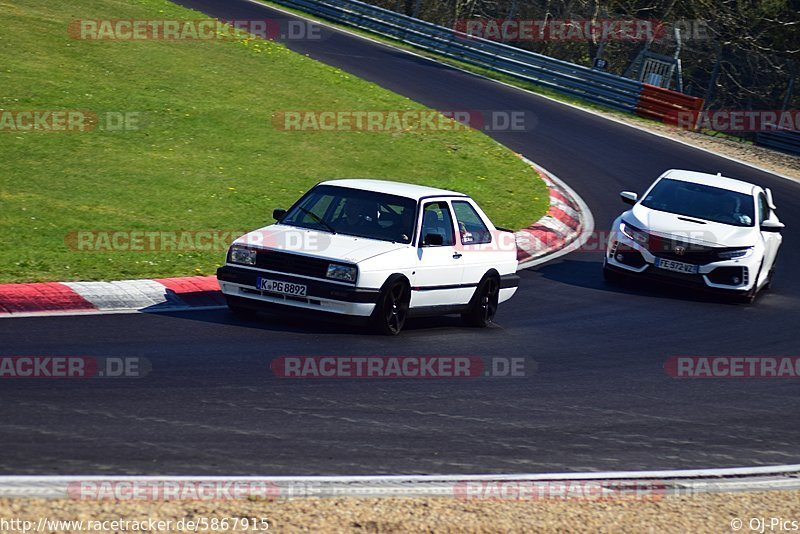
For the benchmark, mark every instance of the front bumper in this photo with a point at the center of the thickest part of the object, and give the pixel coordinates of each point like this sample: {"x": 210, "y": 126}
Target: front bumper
{"x": 737, "y": 276}
{"x": 321, "y": 296}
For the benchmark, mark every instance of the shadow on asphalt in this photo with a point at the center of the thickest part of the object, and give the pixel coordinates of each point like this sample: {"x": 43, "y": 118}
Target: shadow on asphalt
{"x": 589, "y": 274}
{"x": 276, "y": 322}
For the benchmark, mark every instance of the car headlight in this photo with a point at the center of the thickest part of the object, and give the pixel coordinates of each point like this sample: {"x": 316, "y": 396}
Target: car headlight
{"x": 342, "y": 272}
{"x": 735, "y": 253}
{"x": 634, "y": 233}
{"x": 243, "y": 255}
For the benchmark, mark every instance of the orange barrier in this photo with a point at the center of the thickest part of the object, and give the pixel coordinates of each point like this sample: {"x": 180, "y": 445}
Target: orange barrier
{"x": 668, "y": 106}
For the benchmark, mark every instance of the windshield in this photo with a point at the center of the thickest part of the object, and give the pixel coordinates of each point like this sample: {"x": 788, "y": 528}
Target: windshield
{"x": 342, "y": 210}
{"x": 702, "y": 202}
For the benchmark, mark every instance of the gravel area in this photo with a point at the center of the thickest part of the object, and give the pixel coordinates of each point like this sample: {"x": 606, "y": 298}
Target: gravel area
{"x": 698, "y": 513}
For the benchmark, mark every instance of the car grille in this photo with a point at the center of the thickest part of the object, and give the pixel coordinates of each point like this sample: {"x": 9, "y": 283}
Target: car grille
{"x": 290, "y": 263}
{"x": 285, "y": 262}
{"x": 677, "y": 250}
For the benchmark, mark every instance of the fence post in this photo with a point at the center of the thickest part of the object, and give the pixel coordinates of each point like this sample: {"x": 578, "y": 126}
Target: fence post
{"x": 712, "y": 83}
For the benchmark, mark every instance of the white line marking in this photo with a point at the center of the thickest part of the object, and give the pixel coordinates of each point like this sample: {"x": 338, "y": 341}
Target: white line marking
{"x": 588, "y": 475}
{"x": 688, "y": 481}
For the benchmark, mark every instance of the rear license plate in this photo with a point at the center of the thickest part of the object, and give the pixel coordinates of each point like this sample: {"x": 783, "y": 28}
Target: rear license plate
{"x": 284, "y": 288}
{"x": 676, "y": 266}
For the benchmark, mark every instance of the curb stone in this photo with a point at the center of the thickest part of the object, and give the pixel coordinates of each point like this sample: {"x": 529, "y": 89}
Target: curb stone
{"x": 162, "y": 294}
{"x": 566, "y": 226}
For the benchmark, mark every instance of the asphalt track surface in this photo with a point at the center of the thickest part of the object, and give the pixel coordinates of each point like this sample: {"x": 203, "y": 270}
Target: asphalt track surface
{"x": 599, "y": 398}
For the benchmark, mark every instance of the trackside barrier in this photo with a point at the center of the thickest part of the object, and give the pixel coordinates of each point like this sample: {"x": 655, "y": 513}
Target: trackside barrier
{"x": 575, "y": 80}
{"x": 788, "y": 141}
{"x": 594, "y": 86}
{"x": 668, "y": 106}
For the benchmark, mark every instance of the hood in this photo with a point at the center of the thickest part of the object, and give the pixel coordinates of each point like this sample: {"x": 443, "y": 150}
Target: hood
{"x": 671, "y": 225}
{"x": 315, "y": 243}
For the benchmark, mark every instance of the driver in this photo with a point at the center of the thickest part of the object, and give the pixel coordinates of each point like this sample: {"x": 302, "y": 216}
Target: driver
{"x": 358, "y": 213}
{"x": 730, "y": 211}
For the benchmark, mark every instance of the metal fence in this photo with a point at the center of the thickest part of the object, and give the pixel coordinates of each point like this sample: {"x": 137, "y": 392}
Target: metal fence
{"x": 617, "y": 92}
{"x": 595, "y": 86}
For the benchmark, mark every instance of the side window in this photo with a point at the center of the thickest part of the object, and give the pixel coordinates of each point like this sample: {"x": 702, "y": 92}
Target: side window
{"x": 763, "y": 208}
{"x": 470, "y": 225}
{"x": 436, "y": 220}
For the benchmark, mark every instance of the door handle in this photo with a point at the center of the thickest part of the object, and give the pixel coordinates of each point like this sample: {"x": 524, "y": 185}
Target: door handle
{"x": 457, "y": 255}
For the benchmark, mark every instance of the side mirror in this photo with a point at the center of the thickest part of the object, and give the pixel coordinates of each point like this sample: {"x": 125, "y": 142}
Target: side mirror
{"x": 629, "y": 197}
{"x": 433, "y": 240}
{"x": 278, "y": 214}
{"x": 772, "y": 226}
{"x": 770, "y": 201}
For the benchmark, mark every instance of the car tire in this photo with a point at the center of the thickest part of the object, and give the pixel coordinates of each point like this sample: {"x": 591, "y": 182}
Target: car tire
{"x": 484, "y": 303}
{"x": 750, "y": 296}
{"x": 770, "y": 277}
{"x": 391, "y": 311}
{"x": 747, "y": 298}
{"x": 240, "y": 312}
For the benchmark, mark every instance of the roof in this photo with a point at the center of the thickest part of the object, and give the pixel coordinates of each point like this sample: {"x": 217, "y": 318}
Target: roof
{"x": 392, "y": 188}
{"x": 713, "y": 180}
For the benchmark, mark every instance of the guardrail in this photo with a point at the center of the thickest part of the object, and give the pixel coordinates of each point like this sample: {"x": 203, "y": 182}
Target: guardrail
{"x": 568, "y": 78}
{"x": 595, "y": 86}
{"x": 788, "y": 141}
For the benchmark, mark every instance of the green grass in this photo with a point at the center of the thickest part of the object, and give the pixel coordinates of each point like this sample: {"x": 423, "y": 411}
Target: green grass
{"x": 207, "y": 156}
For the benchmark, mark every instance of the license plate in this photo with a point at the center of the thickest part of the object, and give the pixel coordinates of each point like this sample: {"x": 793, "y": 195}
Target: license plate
{"x": 676, "y": 266}
{"x": 284, "y": 288}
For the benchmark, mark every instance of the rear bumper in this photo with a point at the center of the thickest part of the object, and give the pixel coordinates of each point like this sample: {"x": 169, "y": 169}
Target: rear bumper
{"x": 508, "y": 286}
{"x": 240, "y": 283}
{"x": 508, "y": 281}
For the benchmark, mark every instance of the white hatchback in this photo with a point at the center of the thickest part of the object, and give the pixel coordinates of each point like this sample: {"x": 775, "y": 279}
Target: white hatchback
{"x": 376, "y": 250}
{"x": 700, "y": 230}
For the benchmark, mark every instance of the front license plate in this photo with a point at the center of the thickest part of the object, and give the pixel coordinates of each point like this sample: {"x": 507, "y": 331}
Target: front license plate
{"x": 284, "y": 288}
{"x": 676, "y": 266}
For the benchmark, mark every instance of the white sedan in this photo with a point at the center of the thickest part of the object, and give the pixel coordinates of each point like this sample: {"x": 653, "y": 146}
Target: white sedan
{"x": 376, "y": 250}
{"x": 699, "y": 230}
